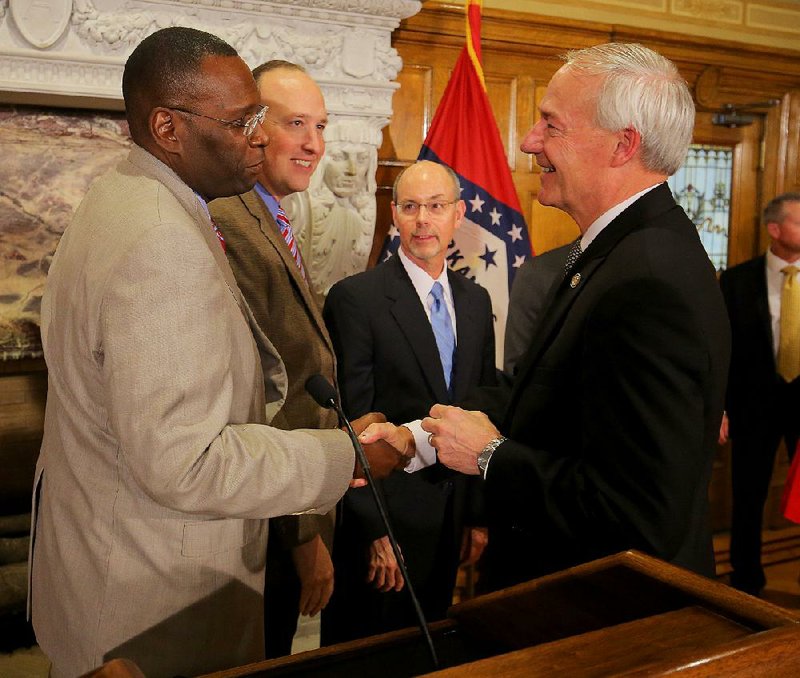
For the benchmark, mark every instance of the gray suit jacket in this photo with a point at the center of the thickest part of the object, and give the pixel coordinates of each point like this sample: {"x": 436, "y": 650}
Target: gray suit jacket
{"x": 156, "y": 471}
{"x": 528, "y": 294}
{"x": 287, "y": 309}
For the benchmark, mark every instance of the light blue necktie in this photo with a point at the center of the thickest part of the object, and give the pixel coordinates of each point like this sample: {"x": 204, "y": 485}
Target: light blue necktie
{"x": 442, "y": 330}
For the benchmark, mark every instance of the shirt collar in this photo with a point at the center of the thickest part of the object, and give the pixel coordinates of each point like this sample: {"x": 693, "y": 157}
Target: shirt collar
{"x": 775, "y": 264}
{"x": 608, "y": 216}
{"x": 270, "y": 200}
{"x": 420, "y": 279}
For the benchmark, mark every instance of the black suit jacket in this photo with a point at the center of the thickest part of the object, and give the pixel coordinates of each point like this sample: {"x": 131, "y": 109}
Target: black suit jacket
{"x": 388, "y": 362}
{"x": 614, "y": 414}
{"x": 753, "y": 382}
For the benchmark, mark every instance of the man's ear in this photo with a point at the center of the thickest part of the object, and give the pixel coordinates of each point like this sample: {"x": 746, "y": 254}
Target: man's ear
{"x": 163, "y": 129}
{"x": 774, "y": 230}
{"x": 461, "y": 210}
{"x": 628, "y": 143}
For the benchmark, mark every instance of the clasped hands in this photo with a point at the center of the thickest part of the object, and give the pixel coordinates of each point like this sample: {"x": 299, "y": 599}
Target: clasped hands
{"x": 458, "y": 435}
{"x": 383, "y": 457}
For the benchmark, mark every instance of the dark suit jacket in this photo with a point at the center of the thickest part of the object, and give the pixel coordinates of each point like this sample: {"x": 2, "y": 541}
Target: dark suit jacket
{"x": 754, "y": 383}
{"x": 529, "y": 292}
{"x": 615, "y": 411}
{"x": 288, "y": 312}
{"x": 388, "y": 362}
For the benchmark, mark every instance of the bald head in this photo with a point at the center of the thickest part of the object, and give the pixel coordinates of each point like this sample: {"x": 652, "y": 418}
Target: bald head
{"x": 163, "y": 70}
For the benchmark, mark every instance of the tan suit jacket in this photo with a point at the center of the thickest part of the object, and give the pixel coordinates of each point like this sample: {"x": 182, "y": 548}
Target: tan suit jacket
{"x": 156, "y": 471}
{"x": 288, "y": 311}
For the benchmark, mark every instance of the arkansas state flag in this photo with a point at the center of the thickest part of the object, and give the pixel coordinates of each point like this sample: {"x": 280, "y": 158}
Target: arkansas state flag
{"x": 492, "y": 242}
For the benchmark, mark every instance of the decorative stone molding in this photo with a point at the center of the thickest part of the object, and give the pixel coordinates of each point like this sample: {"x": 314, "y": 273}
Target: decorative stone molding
{"x": 72, "y": 53}
{"x": 334, "y": 220}
{"x": 50, "y": 48}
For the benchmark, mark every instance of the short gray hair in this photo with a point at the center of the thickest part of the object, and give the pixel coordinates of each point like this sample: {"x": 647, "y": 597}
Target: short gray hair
{"x": 643, "y": 90}
{"x": 453, "y": 176}
{"x": 773, "y": 212}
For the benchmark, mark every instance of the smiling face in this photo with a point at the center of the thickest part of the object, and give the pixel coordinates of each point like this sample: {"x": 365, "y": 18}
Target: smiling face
{"x": 294, "y": 124}
{"x": 575, "y": 155}
{"x": 424, "y": 238}
{"x": 218, "y": 160}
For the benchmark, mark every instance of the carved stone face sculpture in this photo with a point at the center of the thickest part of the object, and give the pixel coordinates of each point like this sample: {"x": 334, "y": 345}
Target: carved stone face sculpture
{"x": 346, "y": 166}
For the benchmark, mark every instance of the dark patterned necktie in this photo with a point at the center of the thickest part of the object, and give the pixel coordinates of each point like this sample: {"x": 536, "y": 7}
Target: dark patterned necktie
{"x": 572, "y": 256}
{"x": 288, "y": 235}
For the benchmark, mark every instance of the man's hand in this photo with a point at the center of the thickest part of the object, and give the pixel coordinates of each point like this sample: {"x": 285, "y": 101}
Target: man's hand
{"x": 366, "y": 420}
{"x": 399, "y": 437}
{"x": 724, "y": 435}
{"x": 384, "y": 572}
{"x": 315, "y": 570}
{"x": 384, "y": 456}
{"x": 459, "y": 436}
{"x": 473, "y": 543}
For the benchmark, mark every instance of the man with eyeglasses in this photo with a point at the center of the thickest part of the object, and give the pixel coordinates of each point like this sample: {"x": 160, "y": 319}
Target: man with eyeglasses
{"x": 157, "y": 469}
{"x": 271, "y": 273}
{"x": 408, "y": 333}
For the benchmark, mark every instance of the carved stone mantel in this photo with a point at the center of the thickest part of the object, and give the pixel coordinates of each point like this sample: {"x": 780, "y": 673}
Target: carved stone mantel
{"x": 72, "y": 52}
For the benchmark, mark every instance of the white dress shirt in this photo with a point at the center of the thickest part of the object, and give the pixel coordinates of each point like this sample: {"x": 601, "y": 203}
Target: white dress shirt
{"x": 426, "y": 455}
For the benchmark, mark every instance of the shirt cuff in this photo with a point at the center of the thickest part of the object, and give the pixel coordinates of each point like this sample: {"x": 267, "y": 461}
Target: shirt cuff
{"x": 426, "y": 454}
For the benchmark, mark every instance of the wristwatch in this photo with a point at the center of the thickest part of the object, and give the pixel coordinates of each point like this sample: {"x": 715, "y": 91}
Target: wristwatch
{"x": 486, "y": 454}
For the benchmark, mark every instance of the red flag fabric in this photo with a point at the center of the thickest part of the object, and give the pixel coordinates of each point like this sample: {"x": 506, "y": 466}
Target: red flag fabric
{"x": 790, "y": 502}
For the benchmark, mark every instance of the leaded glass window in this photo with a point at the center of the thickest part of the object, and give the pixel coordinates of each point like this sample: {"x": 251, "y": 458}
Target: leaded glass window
{"x": 703, "y": 188}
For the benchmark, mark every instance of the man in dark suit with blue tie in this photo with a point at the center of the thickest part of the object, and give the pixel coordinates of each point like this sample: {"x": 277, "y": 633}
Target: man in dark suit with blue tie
{"x": 763, "y": 399}
{"x": 407, "y": 334}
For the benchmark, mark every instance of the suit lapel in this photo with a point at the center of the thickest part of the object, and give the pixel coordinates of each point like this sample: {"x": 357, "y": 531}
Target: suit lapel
{"x": 415, "y": 326}
{"x": 467, "y": 336}
{"x": 761, "y": 300}
{"x": 267, "y": 225}
{"x": 563, "y": 295}
{"x": 191, "y": 203}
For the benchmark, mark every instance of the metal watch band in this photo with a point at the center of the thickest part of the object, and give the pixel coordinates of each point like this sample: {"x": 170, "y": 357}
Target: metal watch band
{"x": 486, "y": 454}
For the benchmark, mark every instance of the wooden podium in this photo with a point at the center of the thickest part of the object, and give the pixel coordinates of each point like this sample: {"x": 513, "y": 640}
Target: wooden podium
{"x": 628, "y": 614}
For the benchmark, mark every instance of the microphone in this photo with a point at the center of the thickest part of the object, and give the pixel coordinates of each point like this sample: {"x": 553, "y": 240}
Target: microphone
{"x": 323, "y": 393}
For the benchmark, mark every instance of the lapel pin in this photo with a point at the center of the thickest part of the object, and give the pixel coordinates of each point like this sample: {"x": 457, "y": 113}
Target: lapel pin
{"x": 575, "y": 280}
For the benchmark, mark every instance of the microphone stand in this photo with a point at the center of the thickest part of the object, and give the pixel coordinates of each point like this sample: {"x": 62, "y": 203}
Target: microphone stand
{"x": 331, "y": 402}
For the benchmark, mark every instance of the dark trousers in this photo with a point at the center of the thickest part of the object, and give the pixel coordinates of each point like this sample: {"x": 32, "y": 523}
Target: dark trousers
{"x": 281, "y": 600}
{"x": 753, "y": 451}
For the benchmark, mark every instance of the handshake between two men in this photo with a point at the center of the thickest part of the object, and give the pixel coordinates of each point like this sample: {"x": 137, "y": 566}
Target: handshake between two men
{"x": 458, "y": 436}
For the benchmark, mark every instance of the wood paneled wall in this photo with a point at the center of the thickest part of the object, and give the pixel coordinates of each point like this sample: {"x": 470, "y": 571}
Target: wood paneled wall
{"x": 520, "y": 54}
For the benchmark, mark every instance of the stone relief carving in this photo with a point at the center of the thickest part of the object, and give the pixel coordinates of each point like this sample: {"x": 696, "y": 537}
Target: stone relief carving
{"x": 344, "y": 44}
{"x": 43, "y": 22}
{"x": 398, "y": 9}
{"x": 325, "y": 50}
{"x": 334, "y": 220}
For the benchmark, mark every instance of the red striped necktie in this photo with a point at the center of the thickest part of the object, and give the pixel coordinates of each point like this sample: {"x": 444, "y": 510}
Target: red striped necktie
{"x": 288, "y": 236}
{"x": 219, "y": 235}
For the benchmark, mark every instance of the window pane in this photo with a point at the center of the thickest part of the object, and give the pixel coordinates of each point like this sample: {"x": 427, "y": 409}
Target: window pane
{"x": 703, "y": 188}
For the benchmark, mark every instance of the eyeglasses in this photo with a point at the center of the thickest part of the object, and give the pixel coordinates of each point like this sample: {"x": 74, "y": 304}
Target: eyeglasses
{"x": 248, "y": 122}
{"x": 435, "y": 208}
